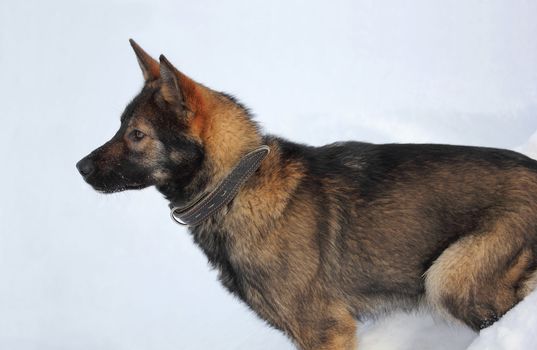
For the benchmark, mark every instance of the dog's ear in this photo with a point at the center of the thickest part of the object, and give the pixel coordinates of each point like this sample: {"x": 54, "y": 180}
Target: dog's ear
{"x": 170, "y": 83}
{"x": 149, "y": 66}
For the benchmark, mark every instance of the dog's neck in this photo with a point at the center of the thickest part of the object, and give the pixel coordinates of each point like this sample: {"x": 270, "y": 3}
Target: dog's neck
{"x": 211, "y": 202}
{"x": 266, "y": 194}
{"x": 226, "y": 137}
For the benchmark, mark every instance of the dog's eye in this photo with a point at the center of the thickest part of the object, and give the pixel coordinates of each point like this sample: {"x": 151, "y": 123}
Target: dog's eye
{"x": 137, "y": 135}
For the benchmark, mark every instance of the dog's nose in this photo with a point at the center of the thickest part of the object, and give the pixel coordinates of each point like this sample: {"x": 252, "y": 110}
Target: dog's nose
{"x": 85, "y": 167}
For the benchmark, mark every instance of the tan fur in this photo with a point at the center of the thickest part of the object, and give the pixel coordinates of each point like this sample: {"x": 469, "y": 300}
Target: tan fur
{"x": 469, "y": 269}
{"x": 226, "y": 133}
{"x": 528, "y": 285}
{"x": 338, "y": 333}
{"x": 265, "y": 198}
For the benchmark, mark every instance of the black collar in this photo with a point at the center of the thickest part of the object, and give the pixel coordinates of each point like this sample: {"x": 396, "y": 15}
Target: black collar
{"x": 208, "y": 204}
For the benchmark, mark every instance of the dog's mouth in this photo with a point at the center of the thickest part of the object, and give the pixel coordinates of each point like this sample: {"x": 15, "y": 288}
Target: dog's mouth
{"x": 121, "y": 188}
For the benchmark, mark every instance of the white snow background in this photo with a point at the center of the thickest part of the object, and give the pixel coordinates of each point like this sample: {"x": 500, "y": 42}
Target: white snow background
{"x": 81, "y": 271}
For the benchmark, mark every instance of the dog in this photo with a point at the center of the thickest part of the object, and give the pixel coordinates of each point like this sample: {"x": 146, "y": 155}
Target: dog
{"x": 314, "y": 238}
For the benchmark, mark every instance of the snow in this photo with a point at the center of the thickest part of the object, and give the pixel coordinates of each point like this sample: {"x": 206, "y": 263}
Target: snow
{"x": 402, "y": 331}
{"x": 81, "y": 270}
{"x": 515, "y": 330}
{"x": 530, "y": 147}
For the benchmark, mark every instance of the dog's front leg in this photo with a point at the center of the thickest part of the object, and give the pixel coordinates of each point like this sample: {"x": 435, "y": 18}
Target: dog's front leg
{"x": 332, "y": 329}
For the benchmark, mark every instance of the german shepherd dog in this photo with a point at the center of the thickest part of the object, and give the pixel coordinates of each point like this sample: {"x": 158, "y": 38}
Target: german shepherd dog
{"x": 318, "y": 237}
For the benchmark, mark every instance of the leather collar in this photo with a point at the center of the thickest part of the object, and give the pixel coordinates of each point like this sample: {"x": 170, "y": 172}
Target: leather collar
{"x": 208, "y": 204}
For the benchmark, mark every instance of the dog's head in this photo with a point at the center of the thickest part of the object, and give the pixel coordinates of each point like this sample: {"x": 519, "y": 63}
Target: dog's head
{"x": 157, "y": 136}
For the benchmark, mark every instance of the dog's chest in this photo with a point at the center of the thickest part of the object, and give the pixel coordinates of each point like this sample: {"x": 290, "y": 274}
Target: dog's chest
{"x": 217, "y": 247}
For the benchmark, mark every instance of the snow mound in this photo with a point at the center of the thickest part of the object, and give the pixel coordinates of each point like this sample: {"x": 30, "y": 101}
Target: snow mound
{"x": 413, "y": 331}
{"x": 516, "y": 330}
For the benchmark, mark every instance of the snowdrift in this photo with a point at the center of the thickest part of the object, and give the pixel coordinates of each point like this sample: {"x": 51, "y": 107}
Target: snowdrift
{"x": 516, "y": 330}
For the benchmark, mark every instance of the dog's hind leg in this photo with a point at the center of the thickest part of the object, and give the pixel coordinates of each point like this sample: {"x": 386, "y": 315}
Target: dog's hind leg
{"x": 478, "y": 278}
{"x": 528, "y": 286}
